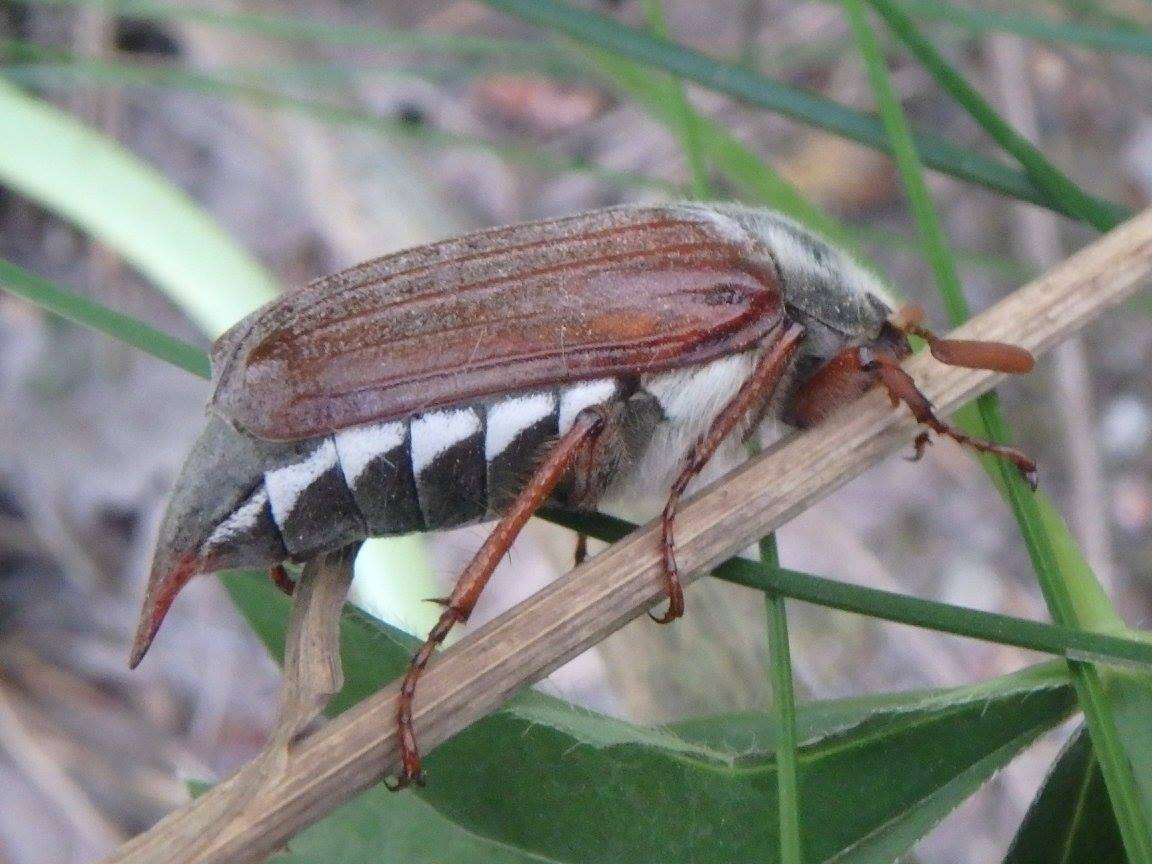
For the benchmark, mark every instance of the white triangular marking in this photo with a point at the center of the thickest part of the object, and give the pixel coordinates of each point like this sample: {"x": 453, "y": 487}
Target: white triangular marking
{"x": 509, "y": 417}
{"x": 285, "y": 485}
{"x": 358, "y": 446}
{"x": 241, "y": 519}
{"x": 434, "y": 433}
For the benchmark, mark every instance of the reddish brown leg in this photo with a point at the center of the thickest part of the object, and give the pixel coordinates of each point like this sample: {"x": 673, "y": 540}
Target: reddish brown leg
{"x": 749, "y": 400}
{"x": 919, "y": 446}
{"x": 901, "y": 388}
{"x": 281, "y": 579}
{"x": 462, "y": 600}
{"x": 581, "y": 554}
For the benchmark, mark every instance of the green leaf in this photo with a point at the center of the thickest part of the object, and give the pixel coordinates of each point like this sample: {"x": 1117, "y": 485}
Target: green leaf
{"x": 784, "y": 699}
{"x": 566, "y": 784}
{"x": 92, "y": 181}
{"x": 1070, "y": 820}
{"x": 610, "y": 35}
{"x": 379, "y": 826}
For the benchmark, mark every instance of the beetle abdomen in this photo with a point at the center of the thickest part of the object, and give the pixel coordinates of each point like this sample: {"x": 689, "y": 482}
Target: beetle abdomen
{"x": 242, "y": 501}
{"x": 449, "y": 467}
{"x": 376, "y": 462}
{"x": 435, "y": 470}
{"x": 459, "y": 465}
{"x": 311, "y": 502}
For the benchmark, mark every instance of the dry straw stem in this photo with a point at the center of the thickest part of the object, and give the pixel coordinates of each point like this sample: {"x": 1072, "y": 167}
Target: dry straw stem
{"x": 487, "y": 667}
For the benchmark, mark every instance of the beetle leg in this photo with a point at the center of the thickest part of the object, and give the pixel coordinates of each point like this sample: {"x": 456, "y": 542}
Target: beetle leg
{"x": 901, "y": 388}
{"x": 919, "y": 446}
{"x": 749, "y": 401}
{"x": 281, "y": 579}
{"x": 581, "y": 553}
{"x": 460, "y": 603}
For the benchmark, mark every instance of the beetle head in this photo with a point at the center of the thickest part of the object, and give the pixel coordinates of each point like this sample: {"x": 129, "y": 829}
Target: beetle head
{"x": 857, "y": 368}
{"x": 844, "y": 378}
{"x": 218, "y": 517}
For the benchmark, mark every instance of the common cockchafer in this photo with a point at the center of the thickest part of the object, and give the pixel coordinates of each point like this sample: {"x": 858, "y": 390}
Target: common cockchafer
{"x": 599, "y": 358}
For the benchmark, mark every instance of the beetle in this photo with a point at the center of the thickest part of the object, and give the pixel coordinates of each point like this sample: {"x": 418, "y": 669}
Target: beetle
{"x": 601, "y": 357}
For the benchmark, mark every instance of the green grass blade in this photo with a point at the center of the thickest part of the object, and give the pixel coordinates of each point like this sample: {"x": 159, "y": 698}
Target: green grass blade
{"x": 1007, "y": 268}
{"x": 312, "y": 76}
{"x": 610, "y": 35}
{"x": 1067, "y": 642}
{"x": 1059, "y": 33}
{"x": 784, "y": 697}
{"x": 1119, "y": 777}
{"x": 92, "y": 181}
{"x": 297, "y": 29}
{"x": 713, "y": 143}
{"x": 1047, "y": 176}
{"x": 784, "y": 704}
{"x": 756, "y": 182}
{"x": 1094, "y": 11}
{"x": 1115, "y": 762}
{"x": 91, "y": 314}
{"x": 132, "y": 74}
{"x": 677, "y": 113}
{"x": 898, "y": 608}
{"x": 755, "y": 179}
{"x": 686, "y": 120}
{"x": 904, "y": 150}
{"x": 1089, "y": 599}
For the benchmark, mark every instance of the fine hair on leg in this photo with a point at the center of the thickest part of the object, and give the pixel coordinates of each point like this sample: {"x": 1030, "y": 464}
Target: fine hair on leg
{"x": 749, "y": 401}
{"x": 460, "y": 603}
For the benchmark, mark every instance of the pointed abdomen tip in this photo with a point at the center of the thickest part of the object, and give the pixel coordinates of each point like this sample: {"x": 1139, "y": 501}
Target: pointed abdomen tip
{"x": 164, "y": 584}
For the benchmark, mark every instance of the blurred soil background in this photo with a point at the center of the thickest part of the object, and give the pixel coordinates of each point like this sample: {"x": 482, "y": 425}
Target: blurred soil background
{"x": 92, "y": 432}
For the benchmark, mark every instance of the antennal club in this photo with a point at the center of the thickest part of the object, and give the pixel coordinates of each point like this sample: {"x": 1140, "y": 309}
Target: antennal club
{"x": 968, "y": 353}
